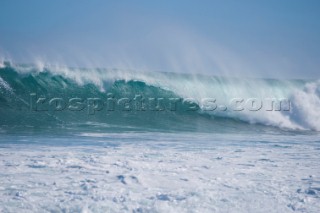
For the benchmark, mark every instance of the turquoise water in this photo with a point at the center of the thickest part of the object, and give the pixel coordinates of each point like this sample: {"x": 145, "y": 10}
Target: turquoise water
{"x": 109, "y": 151}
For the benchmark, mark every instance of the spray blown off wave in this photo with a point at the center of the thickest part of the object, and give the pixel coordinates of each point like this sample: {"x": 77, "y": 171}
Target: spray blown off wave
{"x": 201, "y": 103}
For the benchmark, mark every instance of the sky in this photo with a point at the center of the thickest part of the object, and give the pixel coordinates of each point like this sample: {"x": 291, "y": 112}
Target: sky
{"x": 265, "y": 38}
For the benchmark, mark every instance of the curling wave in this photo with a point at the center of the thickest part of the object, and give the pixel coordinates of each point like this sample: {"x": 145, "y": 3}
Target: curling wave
{"x": 19, "y": 82}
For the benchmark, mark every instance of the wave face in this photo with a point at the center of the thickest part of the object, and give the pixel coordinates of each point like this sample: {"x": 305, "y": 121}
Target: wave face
{"x": 112, "y": 99}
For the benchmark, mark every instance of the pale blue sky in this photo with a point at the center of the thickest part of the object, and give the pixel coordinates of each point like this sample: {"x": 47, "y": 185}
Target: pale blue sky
{"x": 267, "y": 38}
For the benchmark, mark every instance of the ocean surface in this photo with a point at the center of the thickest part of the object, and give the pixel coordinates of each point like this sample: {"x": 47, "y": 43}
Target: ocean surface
{"x": 107, "y": 140}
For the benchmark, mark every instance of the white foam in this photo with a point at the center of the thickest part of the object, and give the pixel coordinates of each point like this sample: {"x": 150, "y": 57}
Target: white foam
{"x": 141, "y": 177}
{"x": 306, "y": 105}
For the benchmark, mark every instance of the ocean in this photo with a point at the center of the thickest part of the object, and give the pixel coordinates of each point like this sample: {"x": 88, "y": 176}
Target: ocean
{"x": 108, "y": 140}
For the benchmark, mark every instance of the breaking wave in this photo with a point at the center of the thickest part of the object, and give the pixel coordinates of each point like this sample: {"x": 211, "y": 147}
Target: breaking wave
{"x": 20, "y": 83}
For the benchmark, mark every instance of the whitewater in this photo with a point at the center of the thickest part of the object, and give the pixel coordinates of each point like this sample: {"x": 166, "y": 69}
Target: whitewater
{"x": 110, "y": 140}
